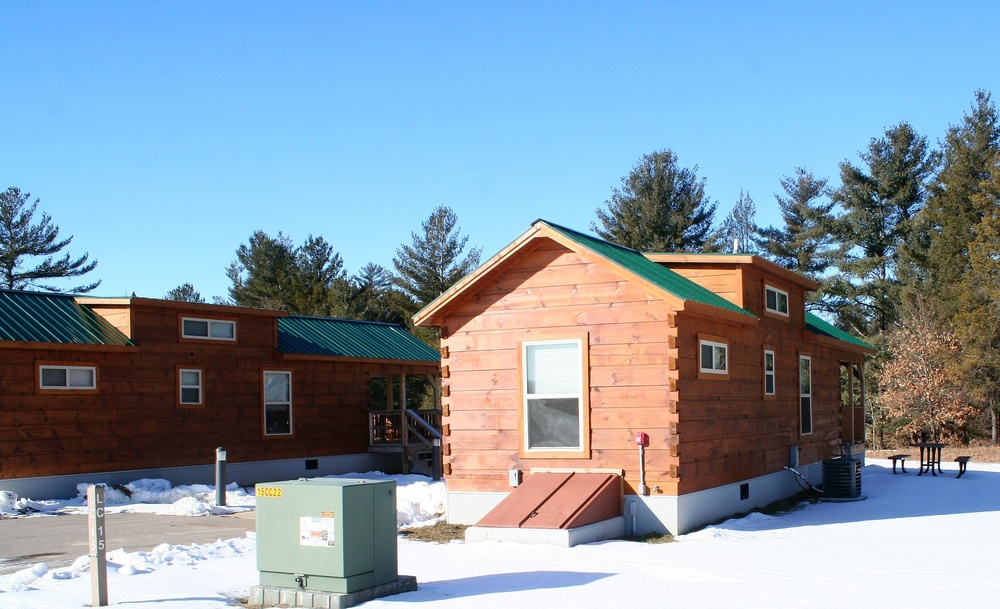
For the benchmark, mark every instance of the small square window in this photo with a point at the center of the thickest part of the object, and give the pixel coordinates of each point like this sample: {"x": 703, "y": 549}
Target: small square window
{"x": 714, "y": 357}
{"x": 776, "y": 301}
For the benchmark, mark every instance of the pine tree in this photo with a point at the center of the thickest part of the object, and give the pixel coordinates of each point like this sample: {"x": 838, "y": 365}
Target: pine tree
{"x": 372, "y": 296}
{"x": 434, "y": 262}
{"x": 879, "y": 201}
{"x": 977, "y": 322}
{"x": 271, "y": 273}
{"x": 22, "y": 240}
{"x": 319, "y": 283}
{"x": 739, "y": 232}
{"x": 184, "y": 293}
{"x": 952, "y": 213}
{"x": 806, "y": 244}
{"x": 660, "y": 207}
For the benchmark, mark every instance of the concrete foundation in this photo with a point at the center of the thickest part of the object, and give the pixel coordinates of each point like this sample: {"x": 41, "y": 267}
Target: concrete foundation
{"x": 273, "y": 596}
{"x": 469, "y": 508}
{"x": 244, "y": 474}
{"x": 613, "y": 528}
{"x": 666, "y": 513}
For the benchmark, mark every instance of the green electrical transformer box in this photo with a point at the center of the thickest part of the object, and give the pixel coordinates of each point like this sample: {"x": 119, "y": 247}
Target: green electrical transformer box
{"x": 329, "y": 534}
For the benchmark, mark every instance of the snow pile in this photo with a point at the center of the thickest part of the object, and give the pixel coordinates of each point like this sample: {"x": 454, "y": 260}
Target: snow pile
{"x": 127, "y": 564}
{"x": 184, "y": 500}
{"x": 8, "y": 502}
{"x": 165, "y": 555}
{"x": 23, "y": 579}
{"x": 12, "y": 505}
{"x": 419, "y": 500}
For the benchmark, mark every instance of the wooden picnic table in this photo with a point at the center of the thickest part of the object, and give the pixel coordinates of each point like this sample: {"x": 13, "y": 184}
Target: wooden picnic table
{"x": 930, "y": 457}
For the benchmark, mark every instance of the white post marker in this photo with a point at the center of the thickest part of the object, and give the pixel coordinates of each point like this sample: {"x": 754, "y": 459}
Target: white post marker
{"x": 98, "y": 547}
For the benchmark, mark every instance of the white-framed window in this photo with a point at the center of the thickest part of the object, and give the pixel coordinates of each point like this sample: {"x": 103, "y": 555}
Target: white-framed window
{"x": 805, "y": 395}
{"x": 554, "y": 407}
{"x": 775, "y": 301}
{"x": 768, "y": 372}
{"x": 714, "y": 357}
{"x": 277, "y": 403}
{"x": 190, "y": 390}
{"x": 80, "y": 378}
{"x": 208, "y": 329}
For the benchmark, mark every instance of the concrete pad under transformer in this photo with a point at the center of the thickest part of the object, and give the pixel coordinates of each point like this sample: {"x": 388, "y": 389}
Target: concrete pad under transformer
{"x": 274, "y": 596}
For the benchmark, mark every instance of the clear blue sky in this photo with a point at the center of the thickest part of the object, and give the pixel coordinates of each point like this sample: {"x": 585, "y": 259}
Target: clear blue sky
{"x": 162, "y": 134}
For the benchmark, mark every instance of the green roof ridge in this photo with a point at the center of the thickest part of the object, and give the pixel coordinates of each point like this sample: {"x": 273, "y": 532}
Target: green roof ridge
{"x": 636, "y": 263}
{"x": 355, "y": 338}
{"x": 46, "y": 317}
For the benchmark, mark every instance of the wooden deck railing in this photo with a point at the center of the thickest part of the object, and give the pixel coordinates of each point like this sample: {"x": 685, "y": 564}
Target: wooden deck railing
{"x": 418, "y": 432}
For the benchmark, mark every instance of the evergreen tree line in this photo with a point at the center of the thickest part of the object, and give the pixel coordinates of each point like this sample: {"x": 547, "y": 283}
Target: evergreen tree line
{"x": 906, "y": 251}
{"x": 271, "y": 272}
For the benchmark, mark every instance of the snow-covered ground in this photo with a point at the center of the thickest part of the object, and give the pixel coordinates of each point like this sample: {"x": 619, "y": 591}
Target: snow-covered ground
{"x": 927, "y": 541}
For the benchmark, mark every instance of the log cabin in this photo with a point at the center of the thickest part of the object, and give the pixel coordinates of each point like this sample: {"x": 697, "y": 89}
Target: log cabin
{"x": 113, "y": 390}
{"x": 563, "y": 351}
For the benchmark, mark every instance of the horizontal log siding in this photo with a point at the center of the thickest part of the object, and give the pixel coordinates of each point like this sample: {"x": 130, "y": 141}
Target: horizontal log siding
{"x": 552, "y": 292}
{"x": 724, "y": 280}
{"x": 133, "y": 420}
{"x": 728, "y": 430}
{"x": 704, "y": 432}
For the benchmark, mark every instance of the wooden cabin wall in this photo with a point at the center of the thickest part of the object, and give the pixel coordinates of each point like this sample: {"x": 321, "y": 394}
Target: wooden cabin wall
{"x": 552, "y": 292}
{"x": 133, "y": 419}
{"x": 724, "y": 280}
{"x": 644, "y": 376}
{"x": 729, "y": 430}
{"x": 117, "y": 314}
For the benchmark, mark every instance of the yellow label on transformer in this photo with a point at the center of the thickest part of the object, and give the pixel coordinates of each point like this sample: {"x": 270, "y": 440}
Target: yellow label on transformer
{"x": 268, "y": 491}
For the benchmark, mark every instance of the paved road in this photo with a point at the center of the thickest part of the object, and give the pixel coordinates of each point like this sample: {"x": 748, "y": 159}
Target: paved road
{"x": 59, "y": 540}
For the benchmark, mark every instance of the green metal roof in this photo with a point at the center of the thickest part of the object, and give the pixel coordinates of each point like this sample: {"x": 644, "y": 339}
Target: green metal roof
{"x": 54, "y": 318}
{"x": 637, "y": 264}
{"x": 350, "y": 338}
{"x": 817, "y": 325}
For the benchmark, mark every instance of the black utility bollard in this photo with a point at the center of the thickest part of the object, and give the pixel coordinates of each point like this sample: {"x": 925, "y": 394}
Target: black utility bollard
{"x": 220, "y": 476}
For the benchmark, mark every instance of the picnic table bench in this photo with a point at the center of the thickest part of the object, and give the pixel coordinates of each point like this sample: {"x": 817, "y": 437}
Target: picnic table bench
{"x": 962, "y": 462}
{"x": 902, "y": 462}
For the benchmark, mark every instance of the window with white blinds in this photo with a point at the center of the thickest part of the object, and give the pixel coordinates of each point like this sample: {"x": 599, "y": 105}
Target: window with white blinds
{"x": 553, "y": 379}
{"x": 277, "y": 403}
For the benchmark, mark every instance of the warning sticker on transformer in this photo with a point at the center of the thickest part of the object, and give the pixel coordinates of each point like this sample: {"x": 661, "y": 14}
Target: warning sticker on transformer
{"x": 316, "y": 532}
